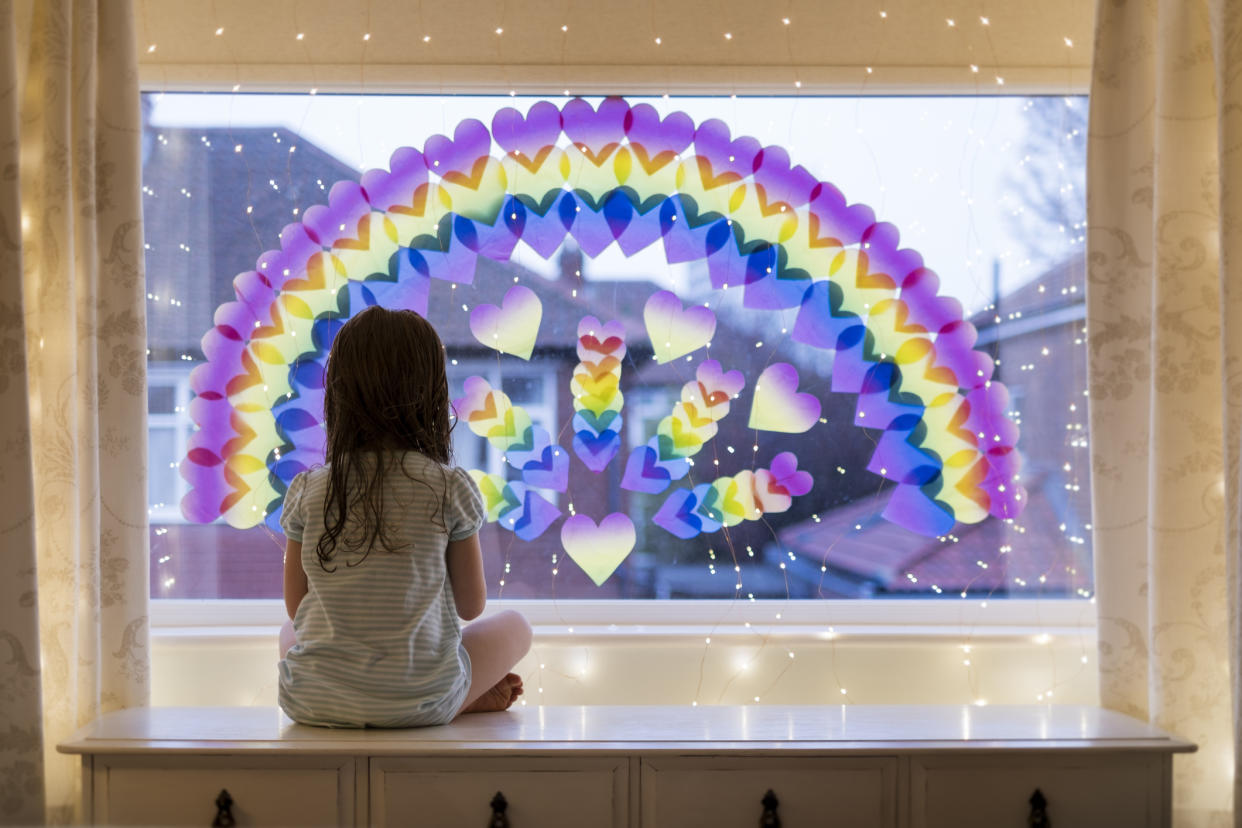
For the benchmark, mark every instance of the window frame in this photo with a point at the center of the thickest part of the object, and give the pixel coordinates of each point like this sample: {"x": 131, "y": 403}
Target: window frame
{"x": 924, "y": 618}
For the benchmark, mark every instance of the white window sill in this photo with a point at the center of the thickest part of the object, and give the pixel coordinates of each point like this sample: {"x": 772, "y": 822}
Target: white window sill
{"x": 673, "y": 622}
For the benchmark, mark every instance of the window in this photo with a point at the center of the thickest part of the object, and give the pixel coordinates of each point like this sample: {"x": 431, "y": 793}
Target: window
{"x": 988, "y": 190}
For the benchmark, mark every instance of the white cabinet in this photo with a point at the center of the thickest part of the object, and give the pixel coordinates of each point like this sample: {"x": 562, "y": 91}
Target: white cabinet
{"x": 1081, "y": 791}
{"x": 536, "y": 791}
{"x": 809, "y": 791}
{"x": 152, "y": 790}
{"x": 625, "y": 767}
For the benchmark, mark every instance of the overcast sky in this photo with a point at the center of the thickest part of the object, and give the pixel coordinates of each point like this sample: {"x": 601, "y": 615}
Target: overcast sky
{"x": 935, "y": 167}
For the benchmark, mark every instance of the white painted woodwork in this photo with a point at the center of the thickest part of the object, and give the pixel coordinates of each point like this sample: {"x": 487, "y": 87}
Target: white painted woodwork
{"x": 680, "y": 791}
{"x": 895, "y": 766}
{"x": 562, "y": 791}
{"x": 149, "y": 790}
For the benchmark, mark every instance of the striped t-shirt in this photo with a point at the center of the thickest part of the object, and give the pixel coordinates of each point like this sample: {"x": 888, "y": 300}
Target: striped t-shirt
{"x": 378, "y": 640}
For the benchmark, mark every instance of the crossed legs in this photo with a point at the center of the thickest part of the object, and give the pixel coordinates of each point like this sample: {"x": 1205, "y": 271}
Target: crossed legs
{"x": 495, "y": 644}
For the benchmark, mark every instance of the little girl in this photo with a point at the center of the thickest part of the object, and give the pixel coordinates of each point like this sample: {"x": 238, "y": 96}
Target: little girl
{"x": 383, "y": 549}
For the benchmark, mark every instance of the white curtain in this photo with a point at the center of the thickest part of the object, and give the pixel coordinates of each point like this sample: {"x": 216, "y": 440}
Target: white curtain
{"x": 73, "y": 526}
{"x": 1164, "y": 300}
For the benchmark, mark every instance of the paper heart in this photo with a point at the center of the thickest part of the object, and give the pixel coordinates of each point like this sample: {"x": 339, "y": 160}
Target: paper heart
{"x": 549, "y": 471}
{"x": 533, "y": 517}
{"x": 645, "y": 473}
{"x": 718, "y": 386}
{"x": 712, "y": 143}
{"x": 674, "y": 331}
{"x": 530, "y": 448}
{"x": 679, "y": 514}
{"x": 598, "y": 549}
{"x": 605, "y": 366}
{"x": 471, "y": 143}
{"x": 784, "y": 470}
{"x": 513, "y": 426}
{"x": 832, "y": 221}
{"x": 778, "y": 406}
{"x": 512, "y": 327}
{"x": 586, "y": 420}
{"x": 393, "y": 188}
{"x": 596, "y": 450}
{"x": 347, "y": 204}
{"x": 683, "y": 440}
{"x": 656, "y": 142}
{"x": 476, "y": 389}
{"x": 770, "y": 496}
{"x": 527, "y": 136}
{"x": 596, "y": 132}
{"x": 498, "y": 498}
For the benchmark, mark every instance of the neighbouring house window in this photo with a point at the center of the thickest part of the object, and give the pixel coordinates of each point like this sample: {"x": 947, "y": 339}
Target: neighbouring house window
{"x": 625, "y": 337}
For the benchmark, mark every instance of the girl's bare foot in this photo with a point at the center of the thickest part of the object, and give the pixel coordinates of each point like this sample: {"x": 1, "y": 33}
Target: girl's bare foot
{"x": 501, "y": 696}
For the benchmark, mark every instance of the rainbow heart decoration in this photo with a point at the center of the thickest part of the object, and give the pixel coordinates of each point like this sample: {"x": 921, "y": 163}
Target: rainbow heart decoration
{"x": 600, "y": 175}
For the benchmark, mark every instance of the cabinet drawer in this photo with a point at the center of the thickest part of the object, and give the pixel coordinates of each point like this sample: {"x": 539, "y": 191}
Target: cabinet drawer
{"x": 540, "y": 792}
{"x": 1084, "y": 791}
{"x": 857, "y": 792}
{"x": 177, "y": 790}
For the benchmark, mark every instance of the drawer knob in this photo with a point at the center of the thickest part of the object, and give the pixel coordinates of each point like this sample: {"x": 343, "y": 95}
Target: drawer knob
{"x": 224, "y": 811}
{"x": 499, "y": 806}
{"x": 770, "y": 818}
{"x": 1039, "y": 811}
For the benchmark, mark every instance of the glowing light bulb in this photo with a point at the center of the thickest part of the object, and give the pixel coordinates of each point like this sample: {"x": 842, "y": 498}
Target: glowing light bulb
{"x": 219, "y": 31}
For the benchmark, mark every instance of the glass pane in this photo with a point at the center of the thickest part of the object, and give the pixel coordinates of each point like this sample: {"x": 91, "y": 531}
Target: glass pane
{"x": 622, "y": 308}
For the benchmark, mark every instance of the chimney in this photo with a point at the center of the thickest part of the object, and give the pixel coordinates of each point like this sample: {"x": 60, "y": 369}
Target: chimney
{"x": 571, "y": 263}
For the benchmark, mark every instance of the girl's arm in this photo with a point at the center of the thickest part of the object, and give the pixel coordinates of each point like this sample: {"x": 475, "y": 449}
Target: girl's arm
{"x": 465, "y": 571}
{"x": 295, "y": 578}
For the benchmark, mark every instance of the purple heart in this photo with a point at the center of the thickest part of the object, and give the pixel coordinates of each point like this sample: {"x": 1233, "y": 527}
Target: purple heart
{"x": 679, "y": 516}
{"x": 644, "y": 474}
{"x": 590, "y": 229}
{"x": 549, "y": 471}
{"x": 254, "y": 290}
{"x": 595, "y": 129}
{"x": 296, "y": 248}
{"x": 880, "y": 243}
{"x": 544, "y": 234}
{"x": 346, "y": 206}
{"x": 816, "y": 325}
{"x": 987, "y": 406}
{"x": 385, "y": 190}
{"x": 471, "y": 141}
{"x": 455, "y": 265}
{"x": 528, "y": 135}
{"x": 785, "y": 471}
{"x": 837, "y": 221}
{"x": 645, "y": 129}
{"x": 533, "y": 517}
{"x": 712, "y": 142}
{"x": 596, "y": 450}
{"x": 780, "y": 182}
{"x": 955, "y": 352}
{"x": 927, "y": 310}
{"x": 540, "y": 439}
{"x": 895, "y": 459}
{"x": 911, "y": 509}
{"x": 641, "y": 232}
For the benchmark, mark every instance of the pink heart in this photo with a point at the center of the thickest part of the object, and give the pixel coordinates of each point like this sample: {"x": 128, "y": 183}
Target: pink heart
{"x": 785, "y": 473}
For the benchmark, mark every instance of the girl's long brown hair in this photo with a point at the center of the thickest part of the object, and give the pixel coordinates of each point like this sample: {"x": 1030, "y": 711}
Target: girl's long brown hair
{"x": 385, "y": 392}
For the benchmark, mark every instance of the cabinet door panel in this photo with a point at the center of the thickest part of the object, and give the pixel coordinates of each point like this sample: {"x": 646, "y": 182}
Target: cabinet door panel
{"x": 857, "y": 792}
{"x": 1085, "y": 791}
{"x": 540, "y": 792}
{"x": 177, "y": 790}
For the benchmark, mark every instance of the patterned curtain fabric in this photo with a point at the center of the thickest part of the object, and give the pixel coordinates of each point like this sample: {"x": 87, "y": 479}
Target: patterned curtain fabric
{"x": 73, "y": 526}
{"x": 1164, "y": 316}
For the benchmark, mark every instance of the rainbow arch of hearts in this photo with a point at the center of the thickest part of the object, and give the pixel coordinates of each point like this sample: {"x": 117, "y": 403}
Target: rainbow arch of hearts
{"x": 619, "y": 174}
